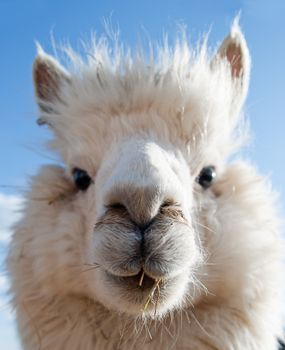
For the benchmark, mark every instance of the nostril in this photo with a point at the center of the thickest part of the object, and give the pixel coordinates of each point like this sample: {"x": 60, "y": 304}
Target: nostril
{"x": 168, "y": 203}
{"x": 116, "y": 206}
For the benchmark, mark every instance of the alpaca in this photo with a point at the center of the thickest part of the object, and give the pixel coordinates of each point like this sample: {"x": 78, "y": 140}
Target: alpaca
{"x": 147, "y": 236}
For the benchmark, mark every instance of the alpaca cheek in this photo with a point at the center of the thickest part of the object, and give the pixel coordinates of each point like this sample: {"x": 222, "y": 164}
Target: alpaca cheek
{"x": 57, "y": 260}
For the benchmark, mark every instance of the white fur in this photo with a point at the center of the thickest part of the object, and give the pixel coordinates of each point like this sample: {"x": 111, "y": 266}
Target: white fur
{"x": 143, "y": 128}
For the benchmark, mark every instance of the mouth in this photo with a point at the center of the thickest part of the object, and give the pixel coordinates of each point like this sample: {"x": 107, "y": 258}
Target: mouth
{"x": 139, "y": 282}
{"x": 145, "y": 290}
{"x": 141, "y": 294}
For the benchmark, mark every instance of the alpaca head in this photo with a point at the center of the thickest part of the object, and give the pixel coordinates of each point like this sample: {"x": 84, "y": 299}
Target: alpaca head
{"x": 141, "y": 143}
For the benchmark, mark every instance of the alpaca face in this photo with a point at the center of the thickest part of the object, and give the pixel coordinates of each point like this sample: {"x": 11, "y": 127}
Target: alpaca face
{"x": 134, "y": 144}
{"x": 143, "y": 233}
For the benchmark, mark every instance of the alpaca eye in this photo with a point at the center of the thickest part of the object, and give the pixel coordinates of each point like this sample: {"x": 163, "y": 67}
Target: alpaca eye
{"x": 81, "y": 179}
{"x": 206, "y": 176}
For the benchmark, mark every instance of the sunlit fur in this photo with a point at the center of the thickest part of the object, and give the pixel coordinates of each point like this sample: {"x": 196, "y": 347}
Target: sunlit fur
{"x": 143, "y": 127}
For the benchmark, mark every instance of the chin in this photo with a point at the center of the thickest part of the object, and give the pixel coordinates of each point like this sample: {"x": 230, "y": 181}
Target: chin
{"x": 139, "y": 297}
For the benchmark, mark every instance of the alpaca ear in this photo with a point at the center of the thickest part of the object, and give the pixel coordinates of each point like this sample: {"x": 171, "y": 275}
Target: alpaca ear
{"x": 235, "y": 51}
{"x": 49, "y": 77}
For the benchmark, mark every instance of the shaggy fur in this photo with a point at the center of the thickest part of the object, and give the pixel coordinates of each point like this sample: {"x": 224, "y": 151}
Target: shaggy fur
{"x": 143, "y": 128}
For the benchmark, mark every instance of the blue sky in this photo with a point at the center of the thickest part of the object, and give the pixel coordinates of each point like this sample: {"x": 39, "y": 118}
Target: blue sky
{"x": 23, "y": 22}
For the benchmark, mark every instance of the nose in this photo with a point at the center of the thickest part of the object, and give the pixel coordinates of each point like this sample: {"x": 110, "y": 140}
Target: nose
{"x": 142, "y": 179}
{"x": 142, "y": 203}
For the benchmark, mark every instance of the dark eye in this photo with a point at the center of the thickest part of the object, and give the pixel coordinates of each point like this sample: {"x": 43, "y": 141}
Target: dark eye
{"x": 81, "y": 179}
{"x": 206, "y": 176}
